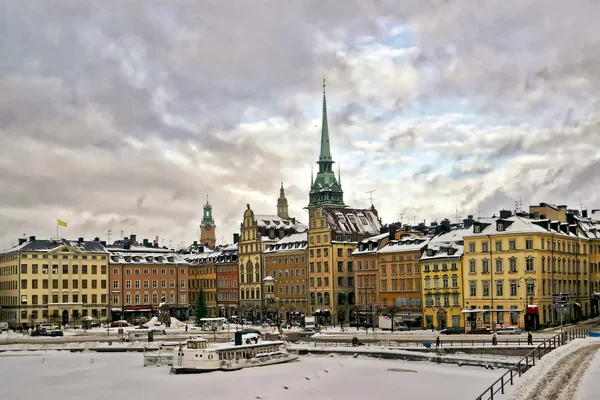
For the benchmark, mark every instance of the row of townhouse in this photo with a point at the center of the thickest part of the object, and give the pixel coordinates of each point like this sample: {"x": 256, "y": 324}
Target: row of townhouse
{"x": 59, "y": 280}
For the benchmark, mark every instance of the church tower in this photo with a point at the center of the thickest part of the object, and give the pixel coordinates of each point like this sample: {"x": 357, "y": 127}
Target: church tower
{"x": 325, "y": 189}
{"x": 207, "y": 227}
{"x": 282, "y": 204}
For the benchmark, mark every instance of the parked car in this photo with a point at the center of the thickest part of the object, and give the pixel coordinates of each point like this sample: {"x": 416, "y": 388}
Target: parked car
{"x": 509, "y": 330}
{"x": 120, "y": 323}
{"x": 95, "y": 324}
{"x": 480, "y": 331}
{"x": 54, "y": 333}
{"x": 157, "y": 331}
{"x": 452, "y": 331}
{"x": 307, "y": 332}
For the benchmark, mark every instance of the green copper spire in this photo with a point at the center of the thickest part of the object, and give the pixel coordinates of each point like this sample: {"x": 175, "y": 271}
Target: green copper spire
{"x": 325, "y": 189}
{"x": 325, "y": 149}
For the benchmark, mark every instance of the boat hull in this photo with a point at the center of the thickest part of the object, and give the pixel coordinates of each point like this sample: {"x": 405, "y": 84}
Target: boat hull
{"x": 235, "y": 365}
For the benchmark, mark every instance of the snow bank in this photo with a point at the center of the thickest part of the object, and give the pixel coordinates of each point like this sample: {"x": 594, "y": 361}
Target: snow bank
{"x": 175, "y": 323}
{"x": 589, "y": 386}
{"x": 548, "y": 363}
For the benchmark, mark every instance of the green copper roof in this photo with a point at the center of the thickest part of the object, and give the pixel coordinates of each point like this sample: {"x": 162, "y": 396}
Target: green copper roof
{"x": 325, "y": 189}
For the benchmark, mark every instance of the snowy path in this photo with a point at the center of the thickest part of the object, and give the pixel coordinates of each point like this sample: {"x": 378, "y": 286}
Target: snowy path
{"x": 557, "y": 376}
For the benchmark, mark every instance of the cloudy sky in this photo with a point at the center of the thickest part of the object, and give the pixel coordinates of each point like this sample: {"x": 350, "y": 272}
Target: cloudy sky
{"x": 125, "y": 115}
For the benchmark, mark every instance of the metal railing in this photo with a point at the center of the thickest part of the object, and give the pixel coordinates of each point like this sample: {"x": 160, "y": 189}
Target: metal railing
{"x": 528, "y": 361}
{"x": 515, "y": 342}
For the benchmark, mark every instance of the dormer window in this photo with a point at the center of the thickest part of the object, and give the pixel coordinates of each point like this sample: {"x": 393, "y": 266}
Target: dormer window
{"x": 171, "y": 259}
{"x": 476, "y": 229}
{"x": 500, "y": 227}
{"x": 429, "y": 252}
{"x": 451, "y": 251}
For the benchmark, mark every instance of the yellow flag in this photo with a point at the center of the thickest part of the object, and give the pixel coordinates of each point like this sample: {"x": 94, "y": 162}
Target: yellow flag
{"x": 61, "y": 223}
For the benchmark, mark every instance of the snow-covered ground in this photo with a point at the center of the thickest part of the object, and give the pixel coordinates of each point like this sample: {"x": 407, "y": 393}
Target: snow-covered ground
{"x": 589, "y": 387}
{"x": 104, "y": 376}
{"x": 557, "y": 375}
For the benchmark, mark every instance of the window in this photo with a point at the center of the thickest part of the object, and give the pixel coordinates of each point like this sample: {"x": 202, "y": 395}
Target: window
{"x": 436, "y": 282}
{"x": 499, "y": 265}
{"x": 473, "y": 288}
{"x": 529, "y": 266}
{"x": 513, "y": 288}
{"x": 485, "y": 267}
{"x": 500, "y": 227}
{"x": 530, "y": 287}
{"x": 472, "y": 268}
{"x": 445, "y": 282}
{"x": 512, "y": 262}
{"x": 427, "y": 283}
{"x": 485, "y": 246}
{"x": 499, "y": 288}
{"x": 485, "y": 287}
{"x": 529, "y": 244}
{"x": 454, "y": 281}
{"x": 498, "y": 245}
{"x": 477, "y": 229}
{"x": 472, "y": 247}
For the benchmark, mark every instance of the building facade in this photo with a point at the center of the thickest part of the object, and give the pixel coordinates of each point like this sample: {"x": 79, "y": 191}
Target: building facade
{"x": 227, "y": 276}
{"x": 257, "y": 232}
{"x": 442, "y": 280}
{"x": 203, "y": 279}
{"x": 513, "y": 265}
{"x": 141, "y": 277}
{"x": 53, "y": 281}
{"x": 400, "y": 276}
{"x": 208, "y": 235}
{"x": 285, "y": 262}
{"x": 366, "y": 279}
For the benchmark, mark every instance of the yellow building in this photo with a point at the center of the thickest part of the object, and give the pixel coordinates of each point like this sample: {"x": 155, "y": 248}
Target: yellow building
{"x": 333, "y": 235}
{"x": 285, "y": 261}
{"x": 53, "y": 281}
{"x": 400, "y": 276}
{"x": 442, "y": 280}
{"x": 514, "y": 264}
{"x": 202, "y": 276}
{"x": 366, "y": 278}
{"x": 591, "y": 227}
{"x": 257, "y": 232}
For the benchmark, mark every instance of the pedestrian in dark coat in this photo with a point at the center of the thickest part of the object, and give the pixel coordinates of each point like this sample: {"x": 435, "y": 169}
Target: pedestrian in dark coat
{"x": 529, "y": 339}
{"x": 437, "y": 342}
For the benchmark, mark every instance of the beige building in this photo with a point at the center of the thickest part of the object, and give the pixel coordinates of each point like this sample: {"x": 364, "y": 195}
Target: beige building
{"x": 257, "y": 233}
{"x": 53, "y": 281}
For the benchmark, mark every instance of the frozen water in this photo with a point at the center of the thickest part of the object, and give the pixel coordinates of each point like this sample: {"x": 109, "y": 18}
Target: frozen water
{"x": 122, "y": 375}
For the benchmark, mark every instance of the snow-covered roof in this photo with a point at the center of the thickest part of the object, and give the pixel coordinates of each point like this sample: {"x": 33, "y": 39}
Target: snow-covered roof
{"x": 517, "y": 224}
{"x": 369, "y": 245}
{"x": 442, "y": 250}
{"x": 455, "y": 235}
{"x": 136, "y": 257}
{"x": 406, "y": 244}
{"x": 291, "y": 243}
{"x": 350, "y": 220}
{"x": 137, "y": 248}
{"x": 44, "y": 245}
{"x": 275, "y": 221}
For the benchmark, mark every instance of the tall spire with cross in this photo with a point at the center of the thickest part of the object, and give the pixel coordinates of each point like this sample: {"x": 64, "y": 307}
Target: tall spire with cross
{"x": 282, "y": 204}
{"x": 325, "y": 189}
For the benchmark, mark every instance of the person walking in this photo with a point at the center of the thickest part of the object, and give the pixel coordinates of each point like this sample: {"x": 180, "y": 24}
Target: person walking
{"x": 529, "y": 338}
{"x": 437, "y": 342}
{"x": 494, "y": 340}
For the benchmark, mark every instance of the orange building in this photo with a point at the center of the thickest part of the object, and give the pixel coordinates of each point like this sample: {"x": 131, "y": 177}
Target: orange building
{"x": 285, "y": 263}
{"x": 400, "y": 276}
{"x": 227, "y": 281}
{"x": 141, "y": 276}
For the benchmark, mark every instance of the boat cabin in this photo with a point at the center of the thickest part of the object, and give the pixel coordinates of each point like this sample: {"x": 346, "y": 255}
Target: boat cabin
{"x": 250, "y": 351}
{"x": 197, "y": 344}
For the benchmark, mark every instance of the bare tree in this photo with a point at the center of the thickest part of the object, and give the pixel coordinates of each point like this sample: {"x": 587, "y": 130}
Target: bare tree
{"x": 393, "y": 310}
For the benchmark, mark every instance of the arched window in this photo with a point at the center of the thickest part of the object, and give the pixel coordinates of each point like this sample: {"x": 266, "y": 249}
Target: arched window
{"x": 454, "y": 281}
{"x": 327, "y": 299}
{"x": 445, "y": 282}
{"x": 320, "y": 298}
{"x": 436, "y": 282}
{"x": 427, "y": 282}
{"x": 312, "y": 298}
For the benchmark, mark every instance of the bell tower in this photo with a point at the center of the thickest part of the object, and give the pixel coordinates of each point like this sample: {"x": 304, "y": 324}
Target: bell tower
{"x": 208, "y": 235}
{"x": 282, "y": 204}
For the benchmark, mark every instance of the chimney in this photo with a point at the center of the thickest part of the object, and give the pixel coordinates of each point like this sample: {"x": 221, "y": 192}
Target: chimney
{"x": 146, "y": 242}
{"x": 584, "y": 213}
{"x": 80, "y": 240}
{"x": 31, "y": 238}
{"x": 132, "y": 239}
{"x": 195, "y": 243}
{"x": 103, "y": 243}
{"x": 22, "y": 240}
{"x": 294, "y": 220}
{"x": 156, "y": 245}
{"x": 96, "y": 239}
{"x": 505, "y": 213}
{"x": 236, "y": 238}
{"x": 392, "y": 234}
{"x": 446, "y": 225}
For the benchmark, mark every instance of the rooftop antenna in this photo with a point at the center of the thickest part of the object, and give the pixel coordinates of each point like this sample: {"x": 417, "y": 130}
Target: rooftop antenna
{"x": 457, "y": 216}
{"x": 580, "y": 205}
{"x": 370, "y": 192}
{"x": 122, "y": 234}
{"x": 109, "y": 235}
{"x": 401, "y": 216}
{"x": 519, "y": 205}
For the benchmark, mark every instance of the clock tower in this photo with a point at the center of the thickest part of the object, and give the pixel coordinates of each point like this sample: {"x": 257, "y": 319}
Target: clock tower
{"x": 207, "y": 227}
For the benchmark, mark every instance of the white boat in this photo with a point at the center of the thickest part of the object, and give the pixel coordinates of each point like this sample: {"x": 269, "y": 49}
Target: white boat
{"x": 198, "y": 356}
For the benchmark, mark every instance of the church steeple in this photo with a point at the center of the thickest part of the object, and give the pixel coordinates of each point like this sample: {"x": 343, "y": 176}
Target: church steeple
{"x": 207, "y": 226}
{"x": 282, "y": 204}
{"x": 325, "y": 188}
